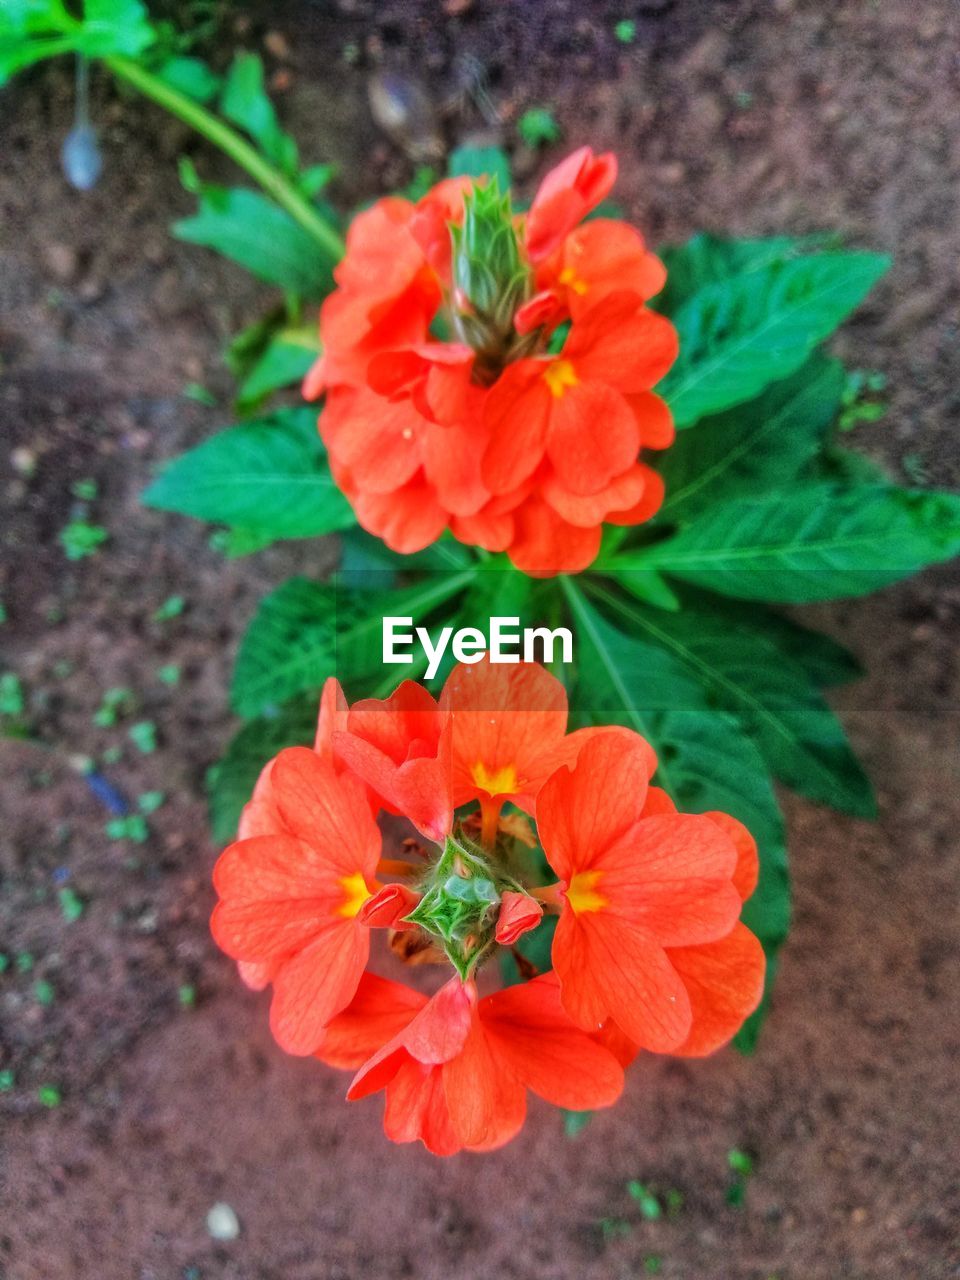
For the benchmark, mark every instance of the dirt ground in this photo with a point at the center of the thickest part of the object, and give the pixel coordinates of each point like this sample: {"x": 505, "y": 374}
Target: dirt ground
{"x": 741, "y": 116}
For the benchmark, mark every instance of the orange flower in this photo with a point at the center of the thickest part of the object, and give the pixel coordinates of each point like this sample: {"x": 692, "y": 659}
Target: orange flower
{"x": 648, "y": 952}
{"x": 457, "y": 1074}
{"x": 289, "y": 899}
{"x": 503, "y": 431}
{"x": 643, "y": 896}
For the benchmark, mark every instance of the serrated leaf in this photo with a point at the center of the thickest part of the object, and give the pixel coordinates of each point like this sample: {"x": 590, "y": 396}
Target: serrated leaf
{"x": 231, "y": 781}
{"x": 305, "y": 631}
{"x": 268, "y": 477}
{"x": 705, "y": 259}
{"x": 743, "y": 673}
{"x": 811, "y": 542}
{"x": 621, "y": 679}
{"x": 251, "y": 230}
{"x": 755, "y": 447}
{"x": 708, "y": 762}
{"x": 737, "y": 336}
{"x": 288, "y": 357}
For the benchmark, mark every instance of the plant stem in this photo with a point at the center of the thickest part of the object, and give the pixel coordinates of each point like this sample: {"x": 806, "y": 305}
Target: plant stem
{"x": 237, "y": 148}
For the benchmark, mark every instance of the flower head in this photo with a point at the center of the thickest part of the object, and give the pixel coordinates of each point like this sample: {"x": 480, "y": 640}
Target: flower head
{"x": 648, "y": 953}
{"x": 492, "y": 373}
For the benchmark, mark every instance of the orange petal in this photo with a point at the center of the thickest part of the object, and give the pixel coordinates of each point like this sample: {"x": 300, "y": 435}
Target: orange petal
{"x": 330, "y": 813}
{"x": 316, "y": 984}
{"x": 608, "y": 968}
{"x": 544, "y": 544}
{"x": 724, "y": 981}
{"x": 592, "y": 438}
{"x": 518, "y": 913}
{"x": 582, "y": 811}
{"x": 379, "y": 1011}
{"x": 535, "y": 1039}
{"x": 747, "y": 871}
{"x": 516, "y": 414}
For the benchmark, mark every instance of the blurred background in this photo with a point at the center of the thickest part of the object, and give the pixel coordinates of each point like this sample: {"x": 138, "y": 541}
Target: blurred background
{"x": 139, "y": 1086}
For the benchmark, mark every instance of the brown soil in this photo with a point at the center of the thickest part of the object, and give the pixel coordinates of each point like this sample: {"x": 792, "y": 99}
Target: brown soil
{"x": 740, "y": 116}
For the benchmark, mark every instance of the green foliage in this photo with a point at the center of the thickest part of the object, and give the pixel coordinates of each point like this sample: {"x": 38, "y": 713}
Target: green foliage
{"x": 80, "y": 539}
{"x": 481, "y": 162}
{"x": 230, "y": 782}
{"x": 538, "y": 127}
{"x": 244, "y": 102}
{"x": 11, "y": 695}
{"x": 267, "y": 477}
{"x": 750, "y": 449}
{"x": 172, "y": 607}
{"x": 811, "y": 542}
{"x": 305, "y": 631}
{"x": 619, "y": 678}
{"x": 31, "y": 30}
{"x": 287, "y": 357}
{"x": 250, "y": 229}
{"x": 71, "y": 906}
{"x": 132, "y": 827}
{"x": 191, "y": 76}
{"x": 742, "y": 672}
{"x": 740, "y": 333}
{"x": 143, "y": 735}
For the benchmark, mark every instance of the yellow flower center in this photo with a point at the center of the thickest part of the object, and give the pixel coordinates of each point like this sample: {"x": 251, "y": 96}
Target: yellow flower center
{"x": 582, "y": 892}
{"x": 560, "y": 375}
{"x": 496, "y": 782}
{"x": 569, "y": 277}
{"x": 355, "y": 894}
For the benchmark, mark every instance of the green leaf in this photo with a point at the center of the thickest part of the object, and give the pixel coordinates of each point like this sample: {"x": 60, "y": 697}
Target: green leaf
{"x": 191, "y": 76}
{"x": 743, "y": 673}
{"x": 230, "y": 782}
{"x": 481, "y": 162}
{"x": 31, "y": 30}
{"x": 706, "y": 259}
{"x": 812, "y": 542}
{"x": 753, "y": 448}
{"x": 708, "y": 762}
{"x": 289, "y": 355}
{"x": 305, "y": 631}
{"x": 739, "y": 335}
{"x": 245, "y": 103}
{"x": 621, "y": 679}
{"x": 268, "y": 477}
{"x": 251, "y": 230}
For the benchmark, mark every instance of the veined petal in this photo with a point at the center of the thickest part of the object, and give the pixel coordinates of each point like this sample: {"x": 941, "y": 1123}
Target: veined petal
{"x": 316, "y": 984}
{"x": 724, "y": 981}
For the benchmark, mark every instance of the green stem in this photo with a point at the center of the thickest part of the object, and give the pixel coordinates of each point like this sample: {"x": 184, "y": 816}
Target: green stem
{"x": 229, "y": 141}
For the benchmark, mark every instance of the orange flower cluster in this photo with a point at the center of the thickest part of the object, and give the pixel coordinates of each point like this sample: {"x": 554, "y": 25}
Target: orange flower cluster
{"x": 492, "y": 373}
{"x": 648, "y": 953}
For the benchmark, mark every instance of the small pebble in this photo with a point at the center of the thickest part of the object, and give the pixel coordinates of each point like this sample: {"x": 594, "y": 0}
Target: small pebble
{"x": 222, "y": 1222}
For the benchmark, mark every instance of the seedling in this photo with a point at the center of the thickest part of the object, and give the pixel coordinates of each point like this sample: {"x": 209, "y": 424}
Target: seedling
{"x": 115, "y": 703}
{"x": 172, "y": 607}
{"x": 150, "y": 801}
{"x": 132, "y": 827}
{"x": 71, "y": 906}
{"x": 11, "y": 695}
{"x": 538, "y": 127}
{"x": 48, "y": 1095}
{"x": 80, "y": 539}
{"x": 143, "y": 735}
